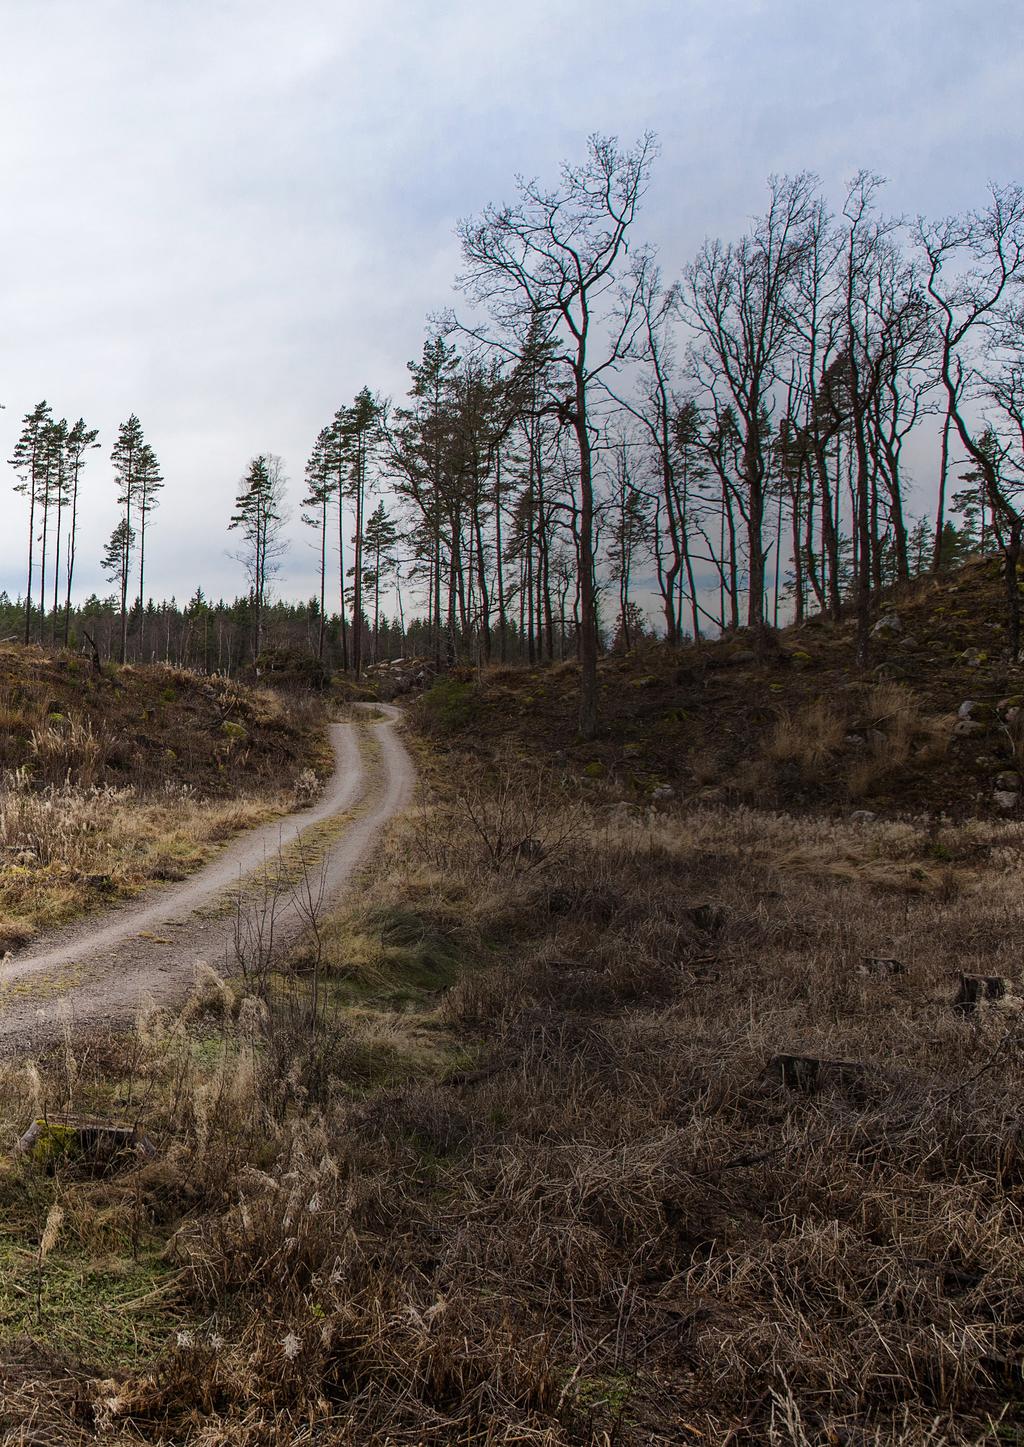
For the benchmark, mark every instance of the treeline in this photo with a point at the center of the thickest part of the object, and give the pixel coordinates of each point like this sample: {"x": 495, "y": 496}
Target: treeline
{"x": 217, "y": 637}
{"x": 48, "y": 461}
{"x": 738, "y": 436}
{"x": 740, "y": 440}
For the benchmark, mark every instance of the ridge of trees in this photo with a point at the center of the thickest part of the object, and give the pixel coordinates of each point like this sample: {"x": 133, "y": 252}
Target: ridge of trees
{"x": 740, "y": 440}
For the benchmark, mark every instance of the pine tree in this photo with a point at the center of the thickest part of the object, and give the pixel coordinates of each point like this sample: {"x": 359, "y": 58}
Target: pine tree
{"x": 321, "y": 486}
{"x": 379, "y": 541}
{"x": 52, "y": 497}
{"x": 260, "y": 516}
{"x": 80, "y": 441}
{"x": 127, "y": 456}
{"x": 359, "y": 434}
{"x": 148, "y": 485}
{"x": 116, "y": 563}
{"x": 420, "y": 456}
{"x": 28, "y": 463}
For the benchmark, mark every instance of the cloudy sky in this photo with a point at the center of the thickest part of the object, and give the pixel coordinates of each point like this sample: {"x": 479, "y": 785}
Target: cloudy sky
{"x": 229, "y": 215}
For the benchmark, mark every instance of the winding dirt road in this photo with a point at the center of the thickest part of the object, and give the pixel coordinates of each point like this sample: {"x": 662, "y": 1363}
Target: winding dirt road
{"x": 100, "y": 970}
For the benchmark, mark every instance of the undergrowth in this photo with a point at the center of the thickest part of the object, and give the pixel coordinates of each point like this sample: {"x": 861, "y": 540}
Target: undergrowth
{"x": 499, "y": 1156}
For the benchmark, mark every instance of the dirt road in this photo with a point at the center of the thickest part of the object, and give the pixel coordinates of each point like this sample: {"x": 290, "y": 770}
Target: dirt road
{"x": 101, "y": 969}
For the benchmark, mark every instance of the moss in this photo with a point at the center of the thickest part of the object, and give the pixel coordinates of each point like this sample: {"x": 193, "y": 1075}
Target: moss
{"x": 56, "y": 1142}
{"x": 594, "y": 770}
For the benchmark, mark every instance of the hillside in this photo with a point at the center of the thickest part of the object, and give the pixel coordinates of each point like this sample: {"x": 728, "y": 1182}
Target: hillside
{"x": 145, "y": 726}
{"x": 801, "y": 727}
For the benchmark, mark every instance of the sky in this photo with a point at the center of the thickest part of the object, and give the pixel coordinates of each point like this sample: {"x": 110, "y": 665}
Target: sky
{"x": 227, "y": 216}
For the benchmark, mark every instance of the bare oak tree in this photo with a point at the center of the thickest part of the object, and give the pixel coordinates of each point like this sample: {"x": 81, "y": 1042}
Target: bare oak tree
{"x": 974, "y": 269}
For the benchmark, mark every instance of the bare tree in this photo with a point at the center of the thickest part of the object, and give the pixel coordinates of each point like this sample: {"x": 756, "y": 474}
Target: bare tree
{"x": 740, "y": 301}
{"x": 553, "y": 257}
{"x": 974, "y": 267}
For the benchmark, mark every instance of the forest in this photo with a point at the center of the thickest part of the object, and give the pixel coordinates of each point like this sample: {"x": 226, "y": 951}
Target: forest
{"x": 592, "y": 450}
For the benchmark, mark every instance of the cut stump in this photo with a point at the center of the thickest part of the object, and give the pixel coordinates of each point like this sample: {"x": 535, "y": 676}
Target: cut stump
{"x": 974, "y": 989}
{"x": 809, "y": 1073}
{"x": 879, "y": 965}
{"x": 711, "y": 918}
{"x": 98, "y": 1145}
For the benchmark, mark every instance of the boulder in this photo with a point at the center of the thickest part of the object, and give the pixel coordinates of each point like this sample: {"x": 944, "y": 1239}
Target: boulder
{"x": 965, "y": 727}
{"x": 862, "y": 816}
{"x": 888, "y": 626}
{"x": 1004, "y": 799}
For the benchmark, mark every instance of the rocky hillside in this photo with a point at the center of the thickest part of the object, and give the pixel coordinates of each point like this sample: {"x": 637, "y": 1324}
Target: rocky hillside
{"x": 935, "y": 724}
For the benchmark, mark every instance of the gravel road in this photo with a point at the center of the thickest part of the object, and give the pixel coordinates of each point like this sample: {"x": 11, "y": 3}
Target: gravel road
{"x": 99, "y": 970}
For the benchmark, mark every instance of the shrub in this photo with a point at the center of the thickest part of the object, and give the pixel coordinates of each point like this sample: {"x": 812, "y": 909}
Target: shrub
{"x": 449, "y": 705}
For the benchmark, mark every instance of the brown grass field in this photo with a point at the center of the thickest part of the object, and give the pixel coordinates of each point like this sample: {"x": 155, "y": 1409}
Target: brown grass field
{"x": 503, "y": 1157}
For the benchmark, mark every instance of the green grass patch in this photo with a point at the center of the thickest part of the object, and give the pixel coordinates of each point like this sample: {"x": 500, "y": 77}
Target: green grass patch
{"x": 392, "y": 955}
{"x": 110, "y": 1311}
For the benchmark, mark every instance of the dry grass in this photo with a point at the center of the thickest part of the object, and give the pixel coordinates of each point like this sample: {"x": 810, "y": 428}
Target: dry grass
{"x": 67, "y": 848}
{"x": 809, "y": 739}
{"x": 522, "y": 1177}
{"x": 851, "y": 749}
{"x": 110, "y": 782}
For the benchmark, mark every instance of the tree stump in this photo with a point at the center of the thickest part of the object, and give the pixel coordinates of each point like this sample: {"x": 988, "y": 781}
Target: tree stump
{"x": 974, "y": 989}
{"x": 879, "y": 965}
{"x": 809, "y": 1073}
{"x": 98, "y": 1145}
{"x": 710, "y": 918}
{"x": 1004, "y": 1372}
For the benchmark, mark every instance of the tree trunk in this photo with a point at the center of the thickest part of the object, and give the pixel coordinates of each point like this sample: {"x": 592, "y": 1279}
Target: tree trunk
{"x": 588, "y": 593}
{"x": 940, "y": 512}
{"x": 755, "y": 526}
